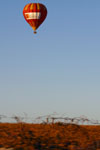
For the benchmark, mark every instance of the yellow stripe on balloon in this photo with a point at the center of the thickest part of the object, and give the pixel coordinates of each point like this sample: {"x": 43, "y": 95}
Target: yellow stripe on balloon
{"x": 26, "y": 7}
{"x": 33, "y": 24}
{"x": 34, "y": 28}
{"x": 38, "y": 6}
{"x": 32, "y": 6}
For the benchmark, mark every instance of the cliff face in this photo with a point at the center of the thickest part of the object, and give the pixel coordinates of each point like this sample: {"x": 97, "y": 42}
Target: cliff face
{"x": 56, "y": 136}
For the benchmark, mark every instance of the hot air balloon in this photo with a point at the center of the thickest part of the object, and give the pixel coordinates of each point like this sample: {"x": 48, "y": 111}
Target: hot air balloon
{"x": 35, "y": 14}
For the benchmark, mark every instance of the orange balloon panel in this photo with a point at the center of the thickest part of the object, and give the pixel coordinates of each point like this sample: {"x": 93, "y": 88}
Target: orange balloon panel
{"x": 35, "y": 14}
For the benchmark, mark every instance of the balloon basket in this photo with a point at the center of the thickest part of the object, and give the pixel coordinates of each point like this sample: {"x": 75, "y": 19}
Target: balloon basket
{"x": 35, "y": 32}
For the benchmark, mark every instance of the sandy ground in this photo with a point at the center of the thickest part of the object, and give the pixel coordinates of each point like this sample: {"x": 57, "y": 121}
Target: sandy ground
{"x": 6, "y": 148}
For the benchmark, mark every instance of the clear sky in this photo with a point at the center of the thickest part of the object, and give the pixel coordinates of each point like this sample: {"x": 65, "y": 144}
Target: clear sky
{"x": 56, "y": 70}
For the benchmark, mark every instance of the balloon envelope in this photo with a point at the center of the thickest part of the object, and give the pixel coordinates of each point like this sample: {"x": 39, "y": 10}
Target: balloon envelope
{"x": 35, "y": 14}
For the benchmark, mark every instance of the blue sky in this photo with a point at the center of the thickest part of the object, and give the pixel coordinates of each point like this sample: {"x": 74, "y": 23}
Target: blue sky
{"x": 56, "y": 70}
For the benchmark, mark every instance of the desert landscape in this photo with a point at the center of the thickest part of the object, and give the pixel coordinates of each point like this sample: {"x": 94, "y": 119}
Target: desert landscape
{"x": 57, "y": 136}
